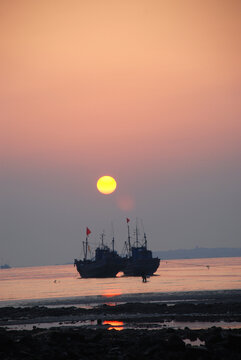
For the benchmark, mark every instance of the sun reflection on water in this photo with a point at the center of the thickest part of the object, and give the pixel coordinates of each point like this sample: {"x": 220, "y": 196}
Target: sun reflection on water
{"x": 111, "y": 293}
{"x": 114, "y": 325}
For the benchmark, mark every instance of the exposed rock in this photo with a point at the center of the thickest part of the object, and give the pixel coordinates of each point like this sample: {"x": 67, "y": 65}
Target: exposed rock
{"x": 77, "y": 343}
{"x": 74, "y": 343}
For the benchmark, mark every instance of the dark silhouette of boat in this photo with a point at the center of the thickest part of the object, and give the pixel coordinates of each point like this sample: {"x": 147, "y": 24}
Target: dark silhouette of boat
{"x": 105, "y": 264}
{"x": 5, "y": 266}
{"x": 139, "y": 261}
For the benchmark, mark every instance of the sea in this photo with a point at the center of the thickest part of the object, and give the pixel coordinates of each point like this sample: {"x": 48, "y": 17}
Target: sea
{"x": 61, "y": 285}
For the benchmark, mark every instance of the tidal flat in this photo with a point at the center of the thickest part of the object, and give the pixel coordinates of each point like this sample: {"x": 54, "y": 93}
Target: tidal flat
{"x": 208, "y": 329}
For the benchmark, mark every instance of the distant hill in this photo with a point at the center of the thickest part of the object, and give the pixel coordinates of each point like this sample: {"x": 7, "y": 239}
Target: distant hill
{"x": 198, "y": 253}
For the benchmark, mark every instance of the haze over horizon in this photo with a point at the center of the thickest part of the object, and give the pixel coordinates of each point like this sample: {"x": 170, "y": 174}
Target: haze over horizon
{"x": 145, "y": 91}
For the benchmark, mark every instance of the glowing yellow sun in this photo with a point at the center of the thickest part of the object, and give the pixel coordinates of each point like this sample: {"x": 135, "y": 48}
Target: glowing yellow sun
{"x": 106, "y": 184}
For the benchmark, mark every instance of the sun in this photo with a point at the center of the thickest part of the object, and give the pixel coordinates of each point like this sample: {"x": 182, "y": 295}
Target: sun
{"x": 106, "y": 184}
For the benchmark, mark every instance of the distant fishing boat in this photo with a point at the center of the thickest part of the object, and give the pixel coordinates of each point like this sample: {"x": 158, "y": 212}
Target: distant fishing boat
{"x": 139, "y": 261}
{"x": 105, "y": 264}
{"x": 5, "y": 266}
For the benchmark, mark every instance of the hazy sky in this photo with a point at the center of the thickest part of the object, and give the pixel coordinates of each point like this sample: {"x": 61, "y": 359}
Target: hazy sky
{"x": 148, "y": 91}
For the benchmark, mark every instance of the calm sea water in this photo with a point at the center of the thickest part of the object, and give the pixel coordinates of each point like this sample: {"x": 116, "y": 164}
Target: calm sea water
{"x": 62, "y": 284}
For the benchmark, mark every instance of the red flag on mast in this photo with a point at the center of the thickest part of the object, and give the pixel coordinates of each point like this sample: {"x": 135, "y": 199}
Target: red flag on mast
{"x": 127, "y": 220}
{"x": 87, "y": 231}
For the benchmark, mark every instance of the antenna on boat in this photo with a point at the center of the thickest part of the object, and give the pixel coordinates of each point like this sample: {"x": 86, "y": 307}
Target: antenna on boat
{"x": 129, "y": 238}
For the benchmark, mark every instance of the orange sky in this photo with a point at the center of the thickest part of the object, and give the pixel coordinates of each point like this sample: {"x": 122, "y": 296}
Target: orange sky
{"x": 119, "y": 86}
{"x": 157, "y": 76}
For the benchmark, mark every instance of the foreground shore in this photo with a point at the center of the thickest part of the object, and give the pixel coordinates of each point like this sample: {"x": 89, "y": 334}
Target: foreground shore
{"x": 83, "y": 333}
{"x": 75, "y": 343}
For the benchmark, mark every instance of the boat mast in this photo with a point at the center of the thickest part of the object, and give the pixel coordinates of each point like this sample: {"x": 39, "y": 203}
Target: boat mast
{"x": 129, "y": 238}
{"x": 145, "y": 242}
{"x": 85, "y": 244}
{"x": 113, "y": 239}
{"x": 102, "y": 239}
{"x": 137, "y": 241}
{"x": 113, "y": 244}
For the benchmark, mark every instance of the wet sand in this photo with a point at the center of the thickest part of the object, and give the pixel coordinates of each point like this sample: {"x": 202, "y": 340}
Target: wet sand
{"x": 99, "y": 340}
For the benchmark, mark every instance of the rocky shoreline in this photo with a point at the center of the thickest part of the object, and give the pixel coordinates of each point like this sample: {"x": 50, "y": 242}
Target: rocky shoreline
{"x": 75, "y": 343}
{"x": 99, "y": 342}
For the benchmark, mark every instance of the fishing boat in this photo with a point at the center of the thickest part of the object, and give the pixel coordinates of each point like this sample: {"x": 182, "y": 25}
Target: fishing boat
{"x": 105, "y": 264}
{"x": 5, "y": 266}
{"x": 139, "y": 261}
